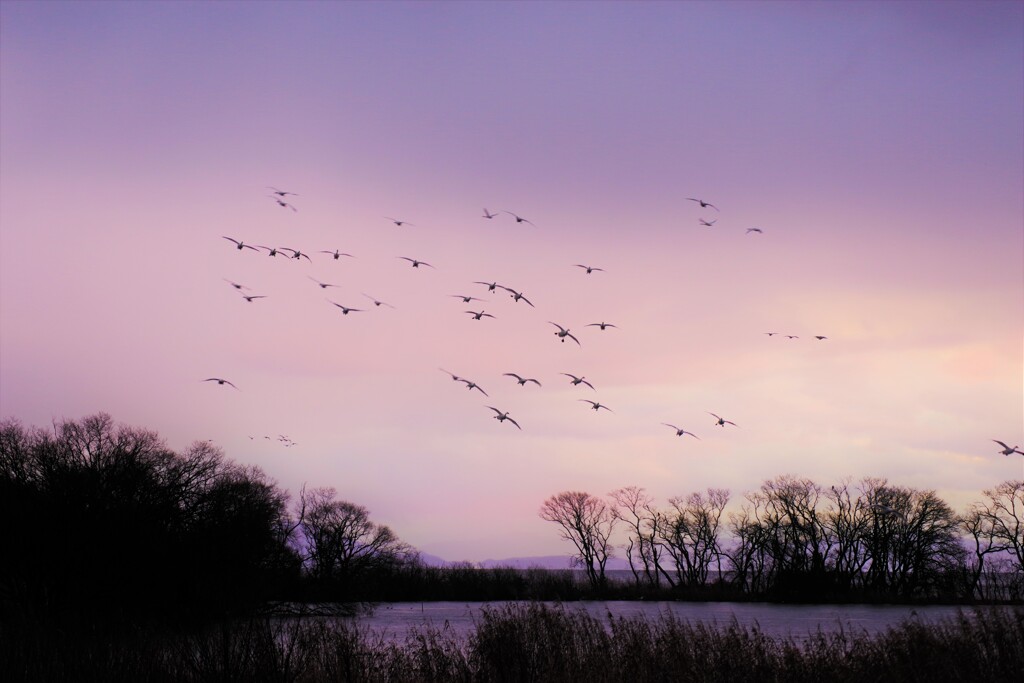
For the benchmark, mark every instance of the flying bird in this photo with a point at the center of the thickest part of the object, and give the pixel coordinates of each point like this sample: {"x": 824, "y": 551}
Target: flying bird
{"x": 521, "y": 380}
{"x": 377, "y": 302}
{"x": 771, "y": 334}
{"x": 281, "y": 193}
{"x": 454, "y": 377}
{"x": 283, "y": 204}
{"x": 323, "y": 285}
{"x": 595, "y": 405}
{"x": 758, "y": 230}
{"x": 721, "y": 421}
{"x": 707, "y": 224}
{"x": 575, "y": 381}
{"x": 792, "y": 336}
{"x": 488, "y": 214}
{"x": 235, "y": 284}
{"x": 563, "y": 332}
{"x": 501, "y": 417}
{"x": 520, "y": 219}
{"x": 602, "y": 325}
{"x": 491, "y": 286}
{"x": 219, "y": 381}
{"x": 250, "y": 298}
{"x": 465, "y": 299}
{"x": 240, "y": 245}
{"x": 473, "y": 385}
{"x": 296, "y": 254}
{"x": 589, "y": 269}
{"x": 398, "y": 222}
{"x": 1008, "y": 450}
{"x": 703, "y": 204}
{"x": 337, "y": 254}
{"x": 345, "y": 310}
{"x": 516, "y": 296}
{"x": 477, "y": 315}
{"x": 271, "y": 251}
{"x": 820, "y": 337}
{"x": 680, "y": 431}
{"x": 415, "y": 263}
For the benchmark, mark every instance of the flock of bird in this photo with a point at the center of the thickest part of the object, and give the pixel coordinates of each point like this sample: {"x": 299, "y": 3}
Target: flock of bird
{"x": 561, "y": 333}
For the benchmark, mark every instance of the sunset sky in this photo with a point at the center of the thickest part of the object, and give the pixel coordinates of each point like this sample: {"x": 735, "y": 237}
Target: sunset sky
{"x": 878, "y": 146}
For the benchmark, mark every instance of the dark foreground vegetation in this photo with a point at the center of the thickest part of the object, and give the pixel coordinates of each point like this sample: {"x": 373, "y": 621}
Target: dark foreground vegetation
{"x": 528, "y": 642}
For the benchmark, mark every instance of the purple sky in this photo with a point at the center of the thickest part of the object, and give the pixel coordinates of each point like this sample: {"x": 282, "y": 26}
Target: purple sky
{"x": 880, "y": 147}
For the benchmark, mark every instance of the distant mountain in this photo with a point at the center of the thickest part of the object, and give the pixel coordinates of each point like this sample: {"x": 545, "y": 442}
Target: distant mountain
{"x": 547, "y": 562}
{"x": 537, "y": 561}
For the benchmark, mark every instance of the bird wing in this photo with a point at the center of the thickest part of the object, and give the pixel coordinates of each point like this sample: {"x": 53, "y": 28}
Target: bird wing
{"x": 672, "y": 426}
{"x": 559, "y": 327}
{"x": 513, "y": 422}
{"x": 527, "y": 301}
{"x": 477, "y": 387}
{"x": 573, "y": 338}
{"x": 1000, "y": 443}
{"x": 495, "y": 409}
{"x": 588, "y": 384}
{"x": 713, "y": 415}
{"x": 535, "y": 382}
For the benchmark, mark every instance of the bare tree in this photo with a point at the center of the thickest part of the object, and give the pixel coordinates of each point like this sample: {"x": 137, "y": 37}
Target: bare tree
{"x": 996, "y": 527}
{"x": 341, "y": 541}
{"x": 587, "y": 521}
{"x": 636, "y": 508}
{"x": 689, "y": 534}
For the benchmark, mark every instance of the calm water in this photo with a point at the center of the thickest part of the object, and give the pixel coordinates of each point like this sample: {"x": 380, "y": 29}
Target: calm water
{"x": 394, "y": 620}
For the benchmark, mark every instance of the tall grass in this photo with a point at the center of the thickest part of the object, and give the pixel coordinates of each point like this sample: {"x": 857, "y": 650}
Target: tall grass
{"x": 524, "y": 642}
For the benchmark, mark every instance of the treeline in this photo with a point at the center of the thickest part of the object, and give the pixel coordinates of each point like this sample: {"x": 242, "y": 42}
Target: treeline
{"x": 103, "y": 520}
{"x": 794, "y": 539}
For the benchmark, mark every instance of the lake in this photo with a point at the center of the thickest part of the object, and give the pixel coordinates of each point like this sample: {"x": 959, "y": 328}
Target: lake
{"x": 394, "y": 620}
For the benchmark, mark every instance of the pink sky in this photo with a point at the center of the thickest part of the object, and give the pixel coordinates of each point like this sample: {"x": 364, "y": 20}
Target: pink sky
{"x": 880, "y": 146}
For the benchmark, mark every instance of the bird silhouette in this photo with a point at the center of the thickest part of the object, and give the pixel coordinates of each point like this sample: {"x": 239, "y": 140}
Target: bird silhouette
{"x": 521, "y": 380}
{"x": 501, "y": 417}
{"x": 323, "y": 285}
{"x": 595, "y": 405}
{"x": 377, "y": 302}
{"x": 820, "y": 337}
{"x": 703, "y": 204}
{"x": 398, "y": 222}
{"x": 478, "y": 315}
{"x": 337, "y": 254}
{"x": 281, "y": 193}
{"x": 602, "y": 325}
{"x": 415, "y": 263}
{"x": 283, "y": 204}
{"x": 516, "y": 296}
{"x": 750, "y": 230}
{"x": 491, "y": 286}
{"x": 563, "y": 332}
{"x": 1008, "y": 450}
{"x": 240, "y": 245}
{"x": 271, "y": 251}
{"x": 235, "y": 284}
{"x": 576, "y": 381}
{"x": 296, "y": 254}
{"x": 465, "y": 299}
{"x": 219, "y": 381}
{"x": 250, "y": 298}
{"x": 722, "y": 421}
{"x": 345, "y": 310}
{"x": 680, "y": 431}
{"x": 472, "y": 385}
{"x": 520, "y": 219}
{"x": 589, "y": 269}
{"x": 488, "y": 214}
{"x": 707, "y": 224}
